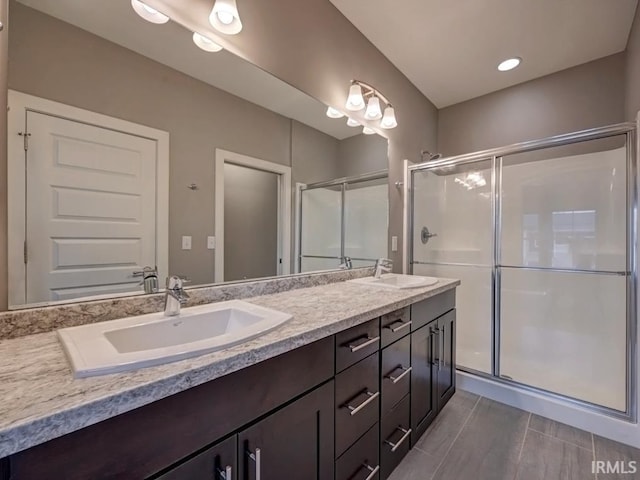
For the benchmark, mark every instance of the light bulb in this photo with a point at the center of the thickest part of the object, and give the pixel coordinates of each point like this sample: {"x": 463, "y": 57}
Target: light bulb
{"x": 205, "y": 43}
{"x": 355, "y": 100}
{"x": 225, "y": 18}
{"x": 353, "y": 123}
{"x": 368, "y": 131}
{"x": 389, "y": 118}
{"x": 373, "y": 111}
{"x": 333, "y": 113}
{"x": 148, "y": 13}
{"x": 509, "y": 64}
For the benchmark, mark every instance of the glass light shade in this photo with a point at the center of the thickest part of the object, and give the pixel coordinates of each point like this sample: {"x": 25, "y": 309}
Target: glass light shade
{"x": 225, "y": 18}
{"x": 373, "y": 111}
{"x": 353, "y": 123}
{"x": 355, "y": 100}
{"x": 389, "y": 118}
{"x": 333, "y": 113}
{"x": 205, "y": 43}
{"x": 368, "y": 131}
{"x": 148, "y": 13}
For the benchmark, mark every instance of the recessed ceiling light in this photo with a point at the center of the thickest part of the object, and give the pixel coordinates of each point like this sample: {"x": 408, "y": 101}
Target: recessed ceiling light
{"x": 509, "y": 64}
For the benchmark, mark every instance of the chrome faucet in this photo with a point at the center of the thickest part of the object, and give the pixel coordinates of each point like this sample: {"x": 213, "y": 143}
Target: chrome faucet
{"x": 346, "y": 263}
{"x": 382, "y": 265}
{"x": 175, "y": 296}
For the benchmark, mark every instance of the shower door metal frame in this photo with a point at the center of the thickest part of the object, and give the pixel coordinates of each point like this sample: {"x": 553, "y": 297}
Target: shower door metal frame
{"x": 343, "y": 183}
{"x": 628, "y": 129}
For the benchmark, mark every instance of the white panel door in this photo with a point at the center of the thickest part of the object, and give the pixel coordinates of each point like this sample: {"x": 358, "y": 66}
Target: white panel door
{"x": 90, "y": 209}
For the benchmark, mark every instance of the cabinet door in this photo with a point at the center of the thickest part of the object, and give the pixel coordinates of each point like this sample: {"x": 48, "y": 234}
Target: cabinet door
{"x": 447, "y": 358}
{"x": 423, "y": 380}
{"x": 215, "y": 463}
{"x": 295, "y": 442}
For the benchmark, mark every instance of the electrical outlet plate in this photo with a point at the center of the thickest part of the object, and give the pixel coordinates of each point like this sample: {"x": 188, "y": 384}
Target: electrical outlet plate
{"x": 211, "y": 243}
{"x": 186, "y": 243}
{"x": 394, "y": 244}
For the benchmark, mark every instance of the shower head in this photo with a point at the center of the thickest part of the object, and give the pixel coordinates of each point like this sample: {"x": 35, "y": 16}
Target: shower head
{"x": 432, "y": 156}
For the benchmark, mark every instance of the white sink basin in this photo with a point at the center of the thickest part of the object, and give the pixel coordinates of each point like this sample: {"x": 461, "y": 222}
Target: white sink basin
{"x": 136, "y": 342}
{"x": 396, "y": 281}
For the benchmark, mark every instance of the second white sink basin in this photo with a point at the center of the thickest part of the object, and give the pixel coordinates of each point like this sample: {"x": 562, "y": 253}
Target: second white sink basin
{"x": 136, "y": 342}
{"x": 396, "y": 281}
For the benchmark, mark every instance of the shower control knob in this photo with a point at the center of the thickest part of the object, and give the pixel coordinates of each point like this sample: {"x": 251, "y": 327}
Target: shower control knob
{"x": 426, "y": 235}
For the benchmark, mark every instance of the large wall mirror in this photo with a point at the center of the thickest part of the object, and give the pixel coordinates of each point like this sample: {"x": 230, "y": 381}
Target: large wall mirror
{"x": 130, "y": 147}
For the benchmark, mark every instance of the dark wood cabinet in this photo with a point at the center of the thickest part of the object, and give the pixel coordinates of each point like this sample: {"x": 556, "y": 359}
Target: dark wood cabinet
{"x": 395, "y": 437}
{"x": 424, "y": 404}
{"x": 216, "y": 463}
{"x": 357, "y": 343}
{"x": 362, "y": 460}
{"x": 395, "y": 373}
{"x": 447, "y": 358}
{"x": 295, "y": 443}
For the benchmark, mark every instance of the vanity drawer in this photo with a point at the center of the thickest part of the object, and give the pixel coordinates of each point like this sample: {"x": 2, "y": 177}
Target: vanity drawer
{"x": 395, "y": 325}
{"x": 217, "y": 460}
{"x": 362, "y": 460}
{"x": 357, "y": 343}
{"x": 395, "y": 373}
{"x": 395, "y": 433}
{"x": 432, "y": 308}
{"x": 357, "y": 402}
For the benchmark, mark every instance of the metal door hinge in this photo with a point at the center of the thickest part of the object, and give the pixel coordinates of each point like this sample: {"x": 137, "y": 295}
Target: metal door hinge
{"x": 25, "y": 137}
{"x": 26, "y": 255}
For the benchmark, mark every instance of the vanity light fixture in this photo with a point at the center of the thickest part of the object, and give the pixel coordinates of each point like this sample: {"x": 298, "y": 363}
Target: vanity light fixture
{"x": 225, "y": 18}
{"x": 334, "y": 113}
{"x": 362, "y": 94}
{"x": 148, "y": 13}
{"x": 509, "y": 64}
{"x": 205, "y": 43}
{"x": 368, "y": 131}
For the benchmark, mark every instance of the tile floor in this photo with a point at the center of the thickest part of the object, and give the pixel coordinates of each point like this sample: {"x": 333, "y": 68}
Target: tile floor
{"x": 475, "y": 438}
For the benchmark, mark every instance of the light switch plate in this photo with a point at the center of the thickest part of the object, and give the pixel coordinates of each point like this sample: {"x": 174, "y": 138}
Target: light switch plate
{"x": 394, "y": 244}
{"x": 211, "y": 243}
{"x": 186, "y": 242}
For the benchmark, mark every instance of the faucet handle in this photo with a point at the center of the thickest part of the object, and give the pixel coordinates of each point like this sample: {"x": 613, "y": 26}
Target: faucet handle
{"x": 387, "y": 262}
{"x": 176, "y": 282}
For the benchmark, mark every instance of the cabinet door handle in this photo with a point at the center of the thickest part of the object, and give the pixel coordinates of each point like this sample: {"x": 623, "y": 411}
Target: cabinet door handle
{"x": 402, "y": 325}
{"x": 367, "y": 341}
{"x": 371, "y": 397}
{"x": 227, "y": 474}
{"x": 395, "y": 446}
{"x": 436, "y": 332}
{"x": 405, "y": 372}
{"x": 256, "y": 458}
{"x": 371, "y": 469}
{"x": 441, "y": 355}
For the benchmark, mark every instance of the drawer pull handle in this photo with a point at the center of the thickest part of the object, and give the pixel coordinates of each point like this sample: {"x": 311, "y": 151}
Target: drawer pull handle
{"x": 226, "y": 474}
{"x": 402, "y": 325}
{"x": 395, "y": 446}
{"x": 405, "y": 371}
{"x": 370, "y": 398}
{"x": 256, "y": 458}
{"x": 367, "y": 341}
{"x": 371, "y": 469}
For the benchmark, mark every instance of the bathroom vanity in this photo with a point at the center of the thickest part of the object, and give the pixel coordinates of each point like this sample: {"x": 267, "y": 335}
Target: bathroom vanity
{"x": 343, "y": 391}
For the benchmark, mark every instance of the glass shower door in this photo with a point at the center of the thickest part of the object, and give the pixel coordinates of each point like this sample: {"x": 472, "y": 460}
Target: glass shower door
{"x": 563, "y": 270}
{"x": 453, "y": 237}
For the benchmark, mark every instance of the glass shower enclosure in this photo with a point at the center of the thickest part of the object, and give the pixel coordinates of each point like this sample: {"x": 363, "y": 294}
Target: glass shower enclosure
{"x": 346, "y": 217}
{"x": 542, "y": 235}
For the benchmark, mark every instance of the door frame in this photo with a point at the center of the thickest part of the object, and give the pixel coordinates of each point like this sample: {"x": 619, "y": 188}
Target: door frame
{"x": 21, "y": 103}
{"x": 284, "y": 207}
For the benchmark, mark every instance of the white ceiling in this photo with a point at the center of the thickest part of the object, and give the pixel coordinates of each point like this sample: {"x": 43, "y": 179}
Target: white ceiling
{"x": 450, "y": 48}
{"x": 171, "y": 45}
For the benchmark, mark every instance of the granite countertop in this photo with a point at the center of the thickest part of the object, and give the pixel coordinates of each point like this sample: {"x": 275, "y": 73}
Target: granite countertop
{"x": 41, "y": 400}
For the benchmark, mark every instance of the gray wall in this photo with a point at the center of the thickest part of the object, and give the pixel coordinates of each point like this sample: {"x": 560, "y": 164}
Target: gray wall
{"x": 362, "y": 153}
{"x": 586, "y": 96}
{"x": 55, "y": 60}
{"x": 312, "y": 46}
{"x": 632, "y": 80}
{"x": 4, "y": 45}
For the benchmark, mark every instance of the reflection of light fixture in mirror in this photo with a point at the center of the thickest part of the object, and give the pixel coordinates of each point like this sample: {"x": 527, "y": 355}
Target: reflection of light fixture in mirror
{"x": 205, "y": 43}
{"x": 373, "y": 111}
{"x": 362, "y": 94}
{"x": 471, "y": 180}
{"x": 148, "y": 13}
{"x": 389, "y": 118}
{"x": 225, "y": 18}
{"x": 333, "y": 113}
{"x": 368, "y": 131}
{"x": 355, "y": 100}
